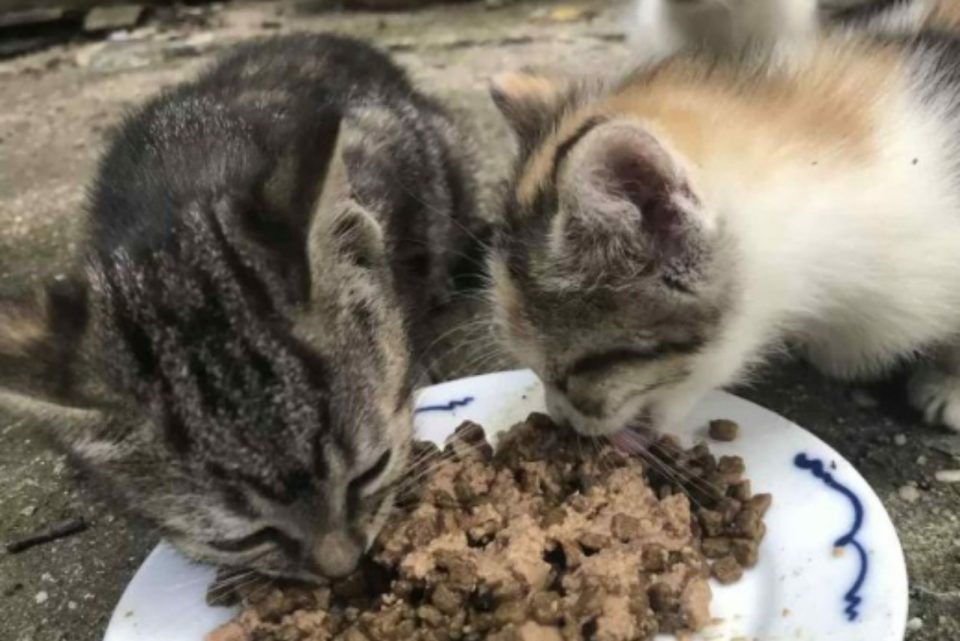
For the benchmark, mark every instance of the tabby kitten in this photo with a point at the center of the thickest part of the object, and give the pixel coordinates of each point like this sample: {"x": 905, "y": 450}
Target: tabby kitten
{"x": 663, "y": 234}
{"x": 233, "y": 360}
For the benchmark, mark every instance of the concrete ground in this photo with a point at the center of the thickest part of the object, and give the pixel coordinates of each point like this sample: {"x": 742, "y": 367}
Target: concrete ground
{"x": 55, "y": 109}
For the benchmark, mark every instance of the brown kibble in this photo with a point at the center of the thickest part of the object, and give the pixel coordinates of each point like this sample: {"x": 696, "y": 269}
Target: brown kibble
{"x": 590, "y": 603}
{"x": 700, "y": 452}
{"x": 472, "y": 483}
{"x": 724, "y": 430}
{"x": 746, "y": 551}
{"x": 716, "y": 547}
{"x": 508, "y": 591}
{"x": 482, "y": 532}
{"x": 511, "y": 612}
{"x": 671, "y": 622}
{"x": 446, "y": 600}
{"x": 625, "y": 527}
{"x": 443, "y": 498}
{"x": 731, "y": 468}
{"x": 404, "y": 629}
{"x": 573, "y": 554}
{"x": 592, "y": 542}
{"x": 741, "y": 491}
{"x": 554, "y": 517}
{"x": 663, "y": 598}
{"x": 353, "y": 634}
{"x": 728, "y": 509}
{"x": 421, "y": 532}
{"x": 551, "y": 539}
{"x": 352, "y": 587}
{"x": 711, "y": 521}
{"x": 727, "y": 570}
{"x": 470, "y": 432}
{"x": 670, "y": 447}
{"x": 760, "y": 503}
{"x": 695, "y": 604}
{"x": 461, "y": 572}
{"x": 545, "y": 608}
{"x": 655, "y": 558}
{"x": 469, "y": 442}
{"x": 540, "y": 421}
{"x": 715, "y": 487}
{"x": 403, "y": 588}
{"x": 430, "y": 615}
{"x": 231, "y": 631}
{"x": 579, "y": 503}
{"x": 748, "y": 524}
{"x": 424, "y": 451}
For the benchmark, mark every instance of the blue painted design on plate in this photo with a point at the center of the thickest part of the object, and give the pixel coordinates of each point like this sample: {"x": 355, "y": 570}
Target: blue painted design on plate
{"x": 818, "y": 469}
{"x": 449, "y": 407}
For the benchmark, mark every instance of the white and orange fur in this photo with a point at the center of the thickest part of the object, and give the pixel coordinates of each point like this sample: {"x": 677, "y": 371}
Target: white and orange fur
{"x": 829, "y": 183}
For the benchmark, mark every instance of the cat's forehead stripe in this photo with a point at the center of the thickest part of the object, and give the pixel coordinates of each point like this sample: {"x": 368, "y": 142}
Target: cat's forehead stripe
{"x": 540, "y": 168}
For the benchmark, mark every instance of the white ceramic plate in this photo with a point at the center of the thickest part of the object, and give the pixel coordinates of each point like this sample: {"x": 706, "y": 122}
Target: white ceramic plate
{"x": 831, "y": 567}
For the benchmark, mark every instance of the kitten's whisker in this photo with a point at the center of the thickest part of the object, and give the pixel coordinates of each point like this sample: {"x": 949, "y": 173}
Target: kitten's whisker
{"x": 661, "y": 466}
{"x": 421, "y": 473}
{"x": 692, "y": 479}
{"x": 652, "y": 448}
{"x": 414, "y": 195}
{"x": 219, "y": 595}
{"x": 216, "y": 584}
{"x": 464, "y": 327}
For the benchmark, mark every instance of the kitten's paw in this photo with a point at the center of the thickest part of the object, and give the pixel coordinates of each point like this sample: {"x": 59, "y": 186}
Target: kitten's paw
{"x": 936, "y": 394}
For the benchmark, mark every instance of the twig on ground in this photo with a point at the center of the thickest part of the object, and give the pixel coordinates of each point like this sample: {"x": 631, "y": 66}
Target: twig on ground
{"x": 56, "y": 531}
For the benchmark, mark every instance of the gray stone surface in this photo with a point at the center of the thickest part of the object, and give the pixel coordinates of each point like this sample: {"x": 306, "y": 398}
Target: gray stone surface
{"x": 55, "y": 109}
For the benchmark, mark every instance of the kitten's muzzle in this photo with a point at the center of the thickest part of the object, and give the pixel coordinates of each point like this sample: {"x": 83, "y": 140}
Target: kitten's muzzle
{"x": 565, "y": 411}
{"x": 337, "y": 554}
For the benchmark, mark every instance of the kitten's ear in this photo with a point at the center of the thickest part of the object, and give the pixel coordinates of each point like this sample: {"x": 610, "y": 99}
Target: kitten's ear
{"x": 340, "y": 225}
{"x": 39, "y": 341}
{"x": 624, "y": 194}
{"x": 527, "y": 99}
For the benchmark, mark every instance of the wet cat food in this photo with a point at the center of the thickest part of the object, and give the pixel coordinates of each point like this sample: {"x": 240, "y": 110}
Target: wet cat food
{"x": 549, "y": 538}
{"x": 724, "y": 430}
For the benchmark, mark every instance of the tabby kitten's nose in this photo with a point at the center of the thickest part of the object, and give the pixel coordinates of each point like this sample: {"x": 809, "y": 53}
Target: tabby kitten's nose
{"x": 337, "y": 554}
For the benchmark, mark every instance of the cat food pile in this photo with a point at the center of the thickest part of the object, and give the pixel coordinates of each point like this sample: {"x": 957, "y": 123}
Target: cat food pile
{"x": 550, "y": 538}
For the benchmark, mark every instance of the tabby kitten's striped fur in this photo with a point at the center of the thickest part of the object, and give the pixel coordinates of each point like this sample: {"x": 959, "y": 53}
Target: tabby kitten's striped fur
{"x": 234, "y": 359}
{"x": 665, "y": 233}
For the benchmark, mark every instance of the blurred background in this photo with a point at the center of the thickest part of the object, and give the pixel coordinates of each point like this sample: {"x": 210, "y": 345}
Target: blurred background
{"x": 68, "y": 71}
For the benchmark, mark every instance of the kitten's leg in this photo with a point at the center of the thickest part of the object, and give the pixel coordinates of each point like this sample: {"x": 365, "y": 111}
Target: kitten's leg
{"x": 935, "y": 387}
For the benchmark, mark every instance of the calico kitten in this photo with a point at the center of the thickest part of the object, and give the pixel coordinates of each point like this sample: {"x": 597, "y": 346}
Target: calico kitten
{"x": 663, "y": 234}
{"x": 233, "y": 361}
{"x": 664, "y": 27}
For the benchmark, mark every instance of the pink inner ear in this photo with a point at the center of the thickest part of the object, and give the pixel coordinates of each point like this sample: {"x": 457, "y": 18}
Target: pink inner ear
{"x": 632, "y": 174}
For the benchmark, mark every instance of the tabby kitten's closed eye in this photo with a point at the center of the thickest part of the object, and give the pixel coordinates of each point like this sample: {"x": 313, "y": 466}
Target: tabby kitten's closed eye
{"x": 663, "y": 234}
{"x": 233, "y": 361}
